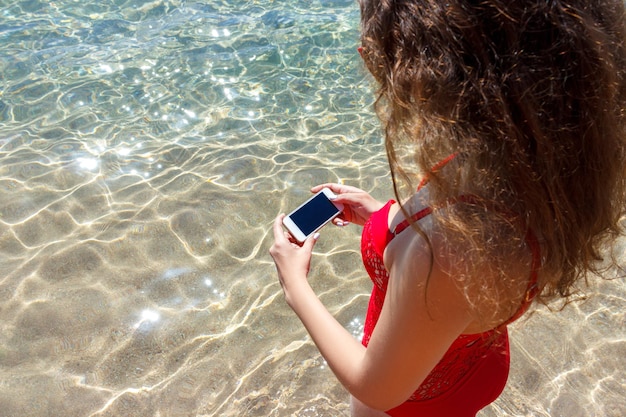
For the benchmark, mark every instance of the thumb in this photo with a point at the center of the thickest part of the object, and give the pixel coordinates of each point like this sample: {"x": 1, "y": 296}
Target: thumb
{"x": 310, "y": 242}
{"x": 348, "y": 198}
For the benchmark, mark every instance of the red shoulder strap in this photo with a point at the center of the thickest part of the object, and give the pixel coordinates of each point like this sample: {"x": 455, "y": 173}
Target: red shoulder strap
{"x": 407, "y": 222}
{"x": 436, "y": 168}
{"x": 531, "y": 240}
{"x": 424, "y": 212}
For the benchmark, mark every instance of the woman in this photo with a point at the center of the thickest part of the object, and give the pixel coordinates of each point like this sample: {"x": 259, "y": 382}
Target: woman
{"x": 508, "y": 119}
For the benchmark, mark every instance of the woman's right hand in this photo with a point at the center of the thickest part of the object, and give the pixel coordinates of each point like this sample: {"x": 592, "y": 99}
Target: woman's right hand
{"x": 358, "y": 204}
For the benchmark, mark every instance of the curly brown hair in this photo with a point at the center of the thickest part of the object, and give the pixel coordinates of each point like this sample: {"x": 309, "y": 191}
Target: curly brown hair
{"x": 530, "y": 94}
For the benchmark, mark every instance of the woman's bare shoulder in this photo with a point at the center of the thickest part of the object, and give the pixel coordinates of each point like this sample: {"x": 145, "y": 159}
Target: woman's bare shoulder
{"x": 493, "y": 290}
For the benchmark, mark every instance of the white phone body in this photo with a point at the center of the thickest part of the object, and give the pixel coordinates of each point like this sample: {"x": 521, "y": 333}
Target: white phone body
{"x": 312, "y": 215}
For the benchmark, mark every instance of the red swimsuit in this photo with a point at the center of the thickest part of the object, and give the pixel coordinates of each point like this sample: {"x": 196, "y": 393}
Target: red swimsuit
{"x": 474, "y": 370}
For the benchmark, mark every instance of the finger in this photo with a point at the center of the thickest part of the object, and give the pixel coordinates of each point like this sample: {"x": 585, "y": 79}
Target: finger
{"x": 340, "y": 221}
{"x": 335, "y": 188}
{"x": 331, "y": 186}
{"x": 310, "y": 242}
{"x": 351, "y": 199}
{"x": 292, "y": 239}
{"x": 279, "y": 233}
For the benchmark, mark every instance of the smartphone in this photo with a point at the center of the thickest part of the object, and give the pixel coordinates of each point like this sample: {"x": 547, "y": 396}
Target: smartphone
{"x": 312, "y": 215}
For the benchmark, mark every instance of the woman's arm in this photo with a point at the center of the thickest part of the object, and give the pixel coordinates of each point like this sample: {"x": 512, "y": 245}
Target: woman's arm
{"x": 423, "y": 313}
{"x": 409, "y": 338}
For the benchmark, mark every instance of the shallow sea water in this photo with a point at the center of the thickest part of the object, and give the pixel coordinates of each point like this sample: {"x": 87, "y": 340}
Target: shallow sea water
{"x": 145, "y": 149}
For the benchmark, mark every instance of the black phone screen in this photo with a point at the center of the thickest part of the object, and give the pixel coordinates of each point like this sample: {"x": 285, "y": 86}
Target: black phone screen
{"x": 313, "y": 214}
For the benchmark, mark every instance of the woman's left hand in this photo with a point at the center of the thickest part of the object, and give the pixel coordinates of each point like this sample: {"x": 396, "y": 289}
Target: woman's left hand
{"x": 292, "y": 260}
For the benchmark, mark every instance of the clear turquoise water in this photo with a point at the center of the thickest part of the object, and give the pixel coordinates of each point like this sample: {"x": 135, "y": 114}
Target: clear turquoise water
{"x": 145, "y": 148}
